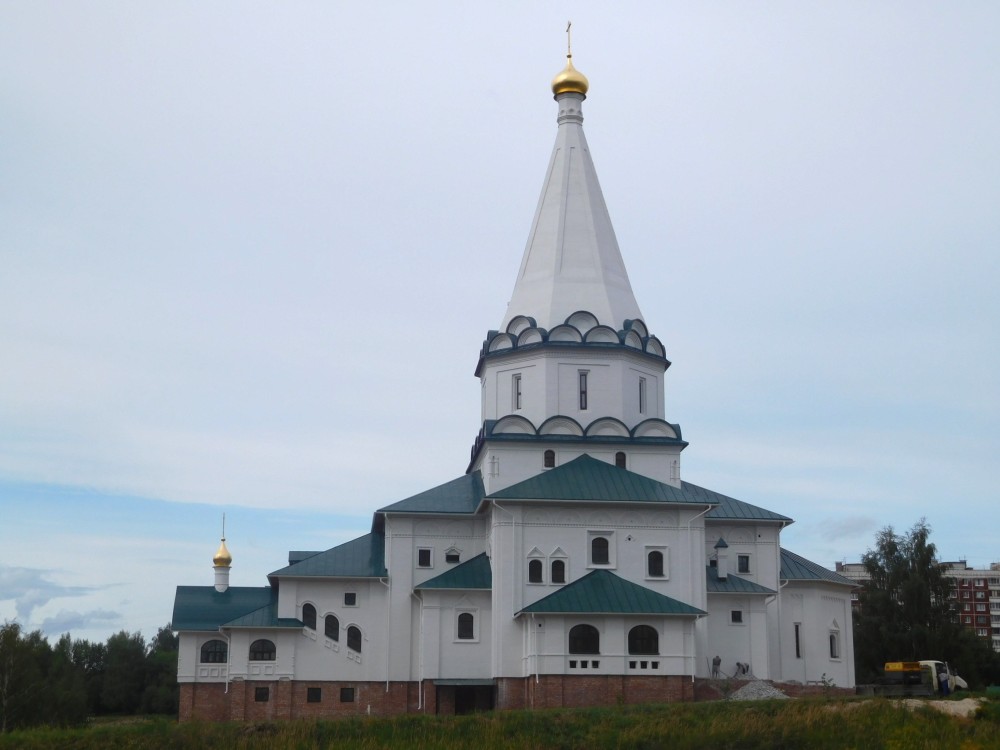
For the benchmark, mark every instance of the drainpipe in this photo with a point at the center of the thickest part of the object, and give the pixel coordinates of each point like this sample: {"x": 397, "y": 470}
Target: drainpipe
{"x": 229, "y": 656}
{"x": 420, "y": 654}
{"x": 701, "y": 564}
{"x": 387, "y": 582}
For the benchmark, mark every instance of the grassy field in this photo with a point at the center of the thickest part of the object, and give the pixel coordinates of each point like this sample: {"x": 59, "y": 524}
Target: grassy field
{"x": 745, "y": 725}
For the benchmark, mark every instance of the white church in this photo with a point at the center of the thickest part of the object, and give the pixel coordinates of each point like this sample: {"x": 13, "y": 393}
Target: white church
{"x": 570, "y": 565}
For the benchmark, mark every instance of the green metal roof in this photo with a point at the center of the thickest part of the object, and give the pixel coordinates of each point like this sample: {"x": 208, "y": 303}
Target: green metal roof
{"x": 602, "y": 592}
{"x": 363, "y": 557}
{"x": 461, "y": 495}
{"x": 730, "y": 508}
{"x": 732, "y": 584}
{"x": 204, "y": 608}
{"x": 265, "y": 617}
{"x": 589, "y": 479}
{"x": 474, "y": 573}
{"x": 797, "y": 568}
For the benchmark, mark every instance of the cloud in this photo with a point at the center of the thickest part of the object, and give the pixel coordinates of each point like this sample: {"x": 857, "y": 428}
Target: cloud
{"x": 30, "y": 588}
{"x": 849, "y": 527}
{"x": 67, "y": 620}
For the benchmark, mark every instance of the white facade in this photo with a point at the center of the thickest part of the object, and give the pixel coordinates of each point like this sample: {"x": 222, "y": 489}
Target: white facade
{"x": 571, "y": 548}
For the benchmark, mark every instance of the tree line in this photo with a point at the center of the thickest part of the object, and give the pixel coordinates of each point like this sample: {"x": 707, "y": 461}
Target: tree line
{"x": 908, "y": 611}
{"x": 63, "y": 684}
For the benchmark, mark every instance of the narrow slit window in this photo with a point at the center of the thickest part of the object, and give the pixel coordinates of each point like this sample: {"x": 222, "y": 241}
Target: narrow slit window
{"x": 583, "y": 390}
{"x": 515, "y": 388}
{"x": 642, "y": 395}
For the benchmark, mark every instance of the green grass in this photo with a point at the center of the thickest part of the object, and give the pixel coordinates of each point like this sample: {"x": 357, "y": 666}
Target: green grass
{"x": 768, "y": 725}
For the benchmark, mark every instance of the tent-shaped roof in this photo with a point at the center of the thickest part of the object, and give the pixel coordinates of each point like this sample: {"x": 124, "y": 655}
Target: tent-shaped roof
{"x": 588, "y": 479}
{"x": 732, "y": 584}
{"x": 602, "y": 592}
{"x": 797, "y": 568}
{"x": 474, "y": 573}
{"x": 204, "y": 608}
{"x": 461, "y": 495}
{"x": 363, "y": 557}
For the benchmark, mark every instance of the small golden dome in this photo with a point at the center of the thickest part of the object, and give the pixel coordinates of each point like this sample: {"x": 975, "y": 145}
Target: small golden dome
{"x": 222, "y": 557}
{"x": 570, "y": 80}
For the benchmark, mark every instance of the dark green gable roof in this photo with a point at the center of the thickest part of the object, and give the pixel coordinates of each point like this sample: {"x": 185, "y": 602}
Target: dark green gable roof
{"x": 589, "y": 479}
{"x": 731, "y": 509}
{"x": 602, "y": 592}
{"x": 732, "y": 584}
{"x": 461, "y": 495}
{"x": 797, "y": 568}
{"x": 204, "y": 608}
{"x": 363, "y": 557}
{"x": 474, "y": 573}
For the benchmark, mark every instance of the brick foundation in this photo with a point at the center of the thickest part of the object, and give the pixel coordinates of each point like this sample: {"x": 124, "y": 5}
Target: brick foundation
{"x": 288, "y": 699}
{"x": 578, "y": 691}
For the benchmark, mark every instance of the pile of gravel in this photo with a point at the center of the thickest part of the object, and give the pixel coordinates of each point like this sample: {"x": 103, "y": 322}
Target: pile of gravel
{"x": 757, "y": 691}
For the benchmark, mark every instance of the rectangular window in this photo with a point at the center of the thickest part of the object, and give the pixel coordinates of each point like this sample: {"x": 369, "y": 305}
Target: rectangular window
{"x": 642, "y": 395}
{"x": 350, "y": 599}
{"x": 798, "y": 640}
{"x": 347, "y": 695}
{"x": 515, "y": 389}
{"x": 314, "y": 695}
{"x": 424, "y": 557}
{"x": 980, "y": 608}
{"x": 736, "y": 617}
{"x": 262, "y": 694}
{"x": 583, "y": 390}
{"x": 452, "y": 556}
{"x": 743, "y": 563}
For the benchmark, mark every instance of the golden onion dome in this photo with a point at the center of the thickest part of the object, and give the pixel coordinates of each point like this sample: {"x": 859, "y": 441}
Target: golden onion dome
{"x": 222, "y": 557}
{"x": 570, "y": 80}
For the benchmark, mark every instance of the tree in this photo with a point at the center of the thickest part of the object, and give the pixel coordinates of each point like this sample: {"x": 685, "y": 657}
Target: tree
{"x": 906, "y": 611}
{"x": 124, "y": 673}
{"x": 160, "y": 693}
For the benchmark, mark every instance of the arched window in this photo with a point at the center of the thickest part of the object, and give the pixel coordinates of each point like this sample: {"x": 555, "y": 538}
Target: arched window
{"x": 262, "y": 650}
{"x": 331, "y": 628}
{"x": 534, "y": 571}
{"x": 214, "y": 652}
{"x": 584, "y": 639}
{"x": 599, "y": 550}
{"x": 620, "y": 460}
{"x": 654, "y": 564}
{"x": 309, "y": 616}
{"x": 643, "y": 639}
{"x": 558, "y": 571}
{"x": 466, "y": 623}
{"x": 354, "y": 638}
{"x": 834, "y": 645}
{"x": 550, "y": 459}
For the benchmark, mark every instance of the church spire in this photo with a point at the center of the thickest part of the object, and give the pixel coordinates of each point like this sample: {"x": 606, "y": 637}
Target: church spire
{"x": 572, "y": 261}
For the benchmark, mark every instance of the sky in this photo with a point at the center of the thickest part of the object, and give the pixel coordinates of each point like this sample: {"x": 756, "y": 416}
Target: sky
{"x": 249, "y": 252}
